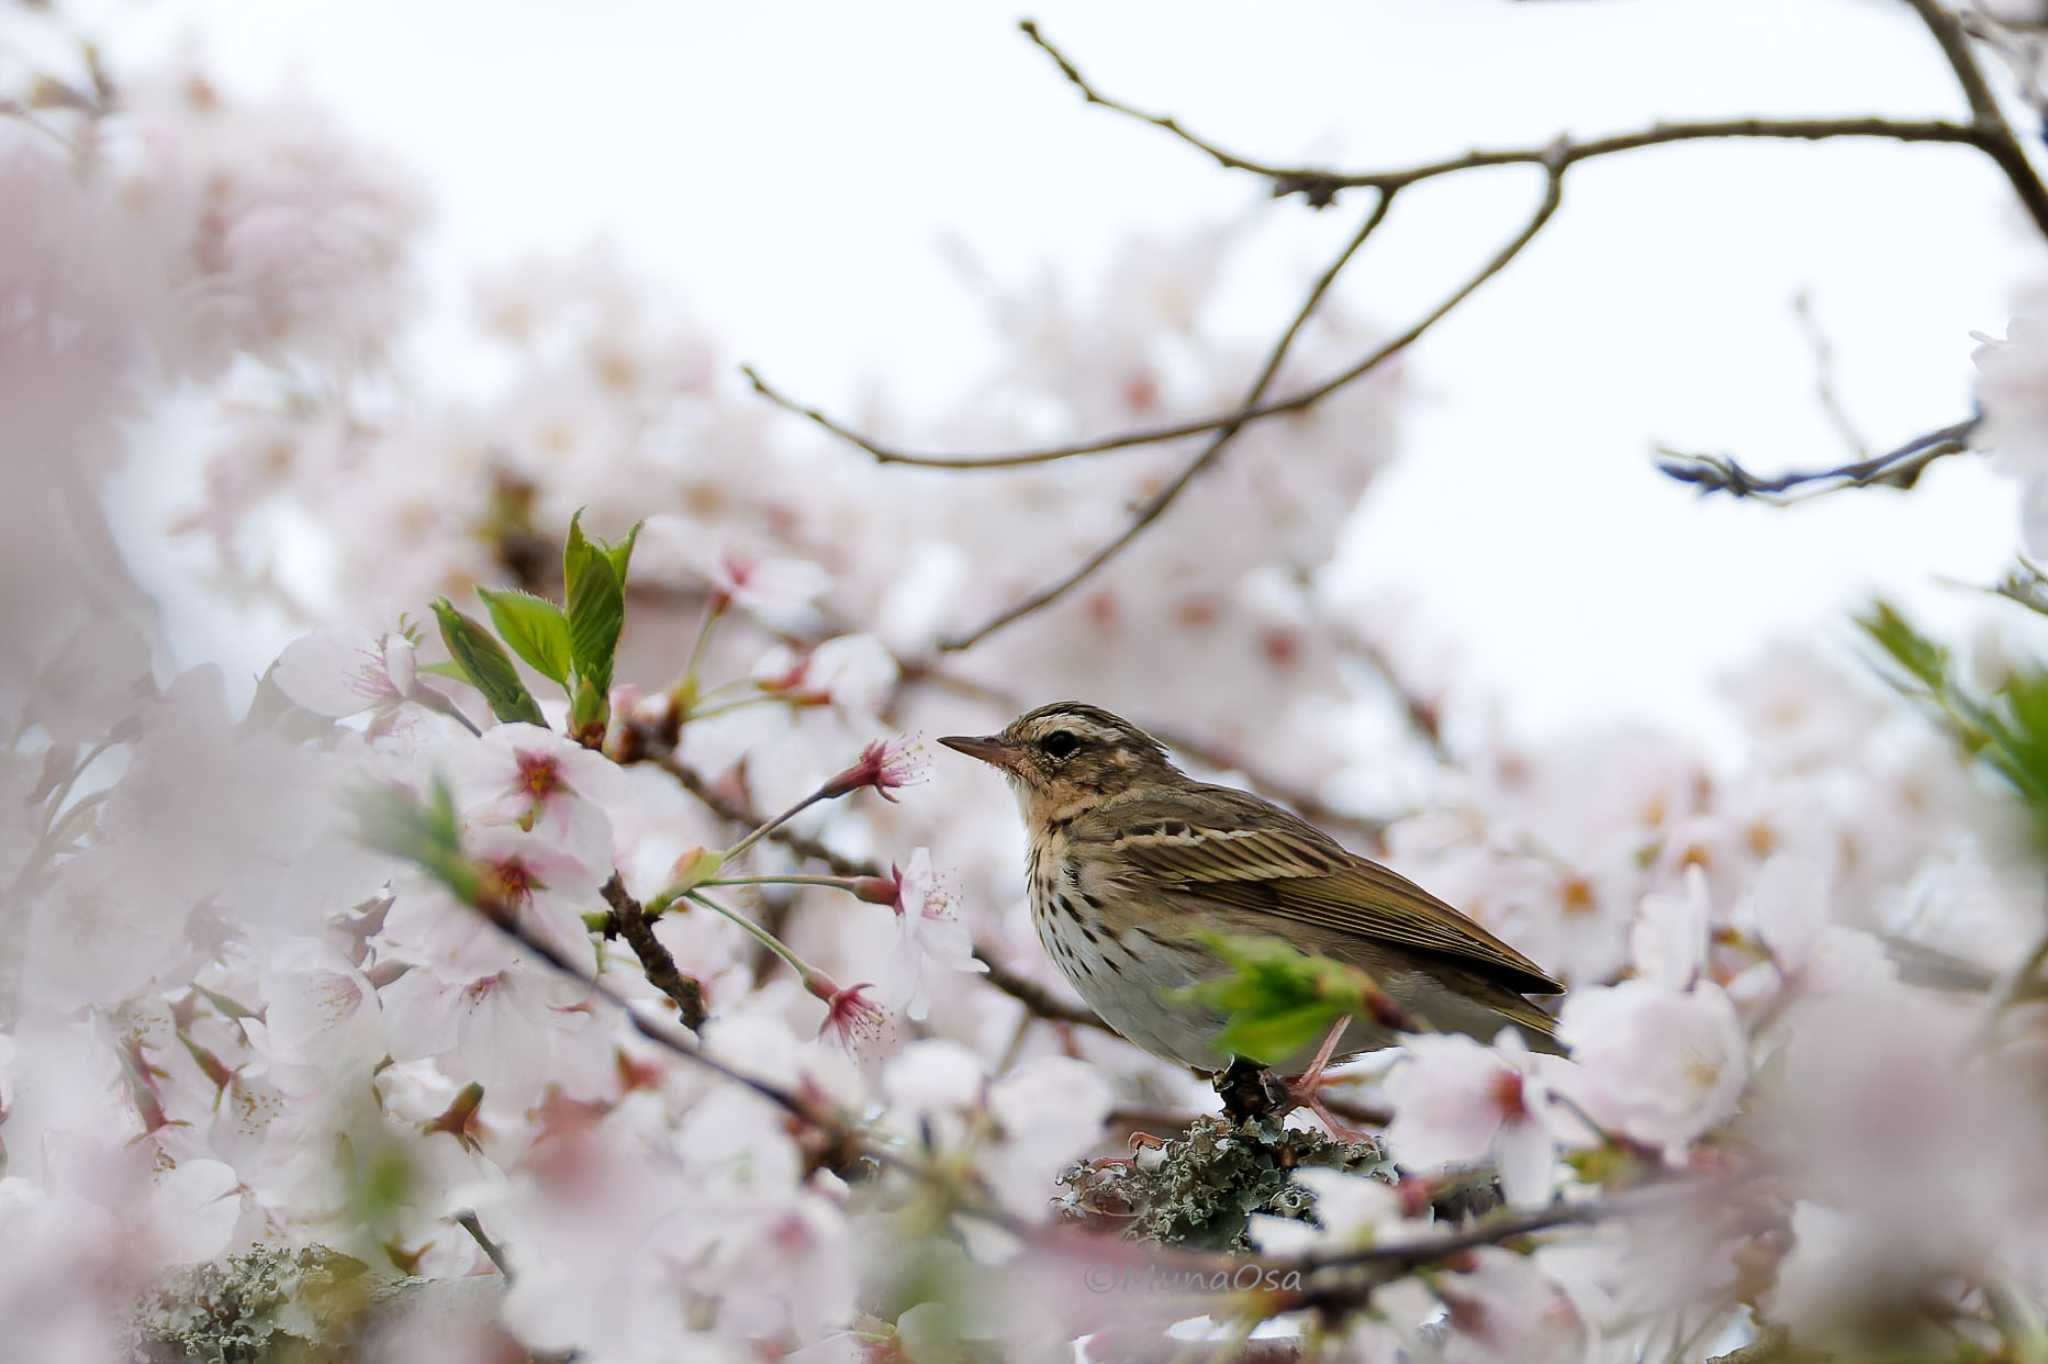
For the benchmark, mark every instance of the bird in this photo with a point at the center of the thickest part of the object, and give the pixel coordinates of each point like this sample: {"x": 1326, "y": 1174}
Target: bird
{"x": 1131, "y": 863}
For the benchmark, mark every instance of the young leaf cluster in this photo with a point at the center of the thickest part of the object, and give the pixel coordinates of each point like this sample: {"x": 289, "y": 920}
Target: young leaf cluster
{"x": 2004, "y": 727}
{"x": 1278, "y": 1000}
{"x": 572, "y": 645}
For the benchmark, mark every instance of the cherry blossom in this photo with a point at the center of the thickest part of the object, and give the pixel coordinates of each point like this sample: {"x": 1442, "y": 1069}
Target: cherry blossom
{"x": 852, "y": 1020}
{"x": 339, "y": 676}
{"x": 930, "y": 936}
{"x": 1656, "y": 1065}
{"x": 885, "y": 765}
{"x": 1505, "y": 1311}
{"x": 541, "y": 782}
{"x": 1803, "y": 1083}
{"x": 1457, "y": 1102}
{"x": 2012, "y": 387}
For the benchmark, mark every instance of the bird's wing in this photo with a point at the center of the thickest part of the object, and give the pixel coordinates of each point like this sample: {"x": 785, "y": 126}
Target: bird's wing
{"x": 1232, "y": 847}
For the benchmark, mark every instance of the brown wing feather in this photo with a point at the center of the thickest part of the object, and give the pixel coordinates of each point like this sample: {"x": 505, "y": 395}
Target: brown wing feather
{"x": 1259, "y": 857}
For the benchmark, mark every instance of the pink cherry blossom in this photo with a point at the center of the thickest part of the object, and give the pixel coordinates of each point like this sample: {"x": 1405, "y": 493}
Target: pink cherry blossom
{"x": 1457, "y": 1102}
{"x": 885, "y": 765}
{"x": 930, "y": 937}
{"x": 542, "y": 782}
{"x": 852, "y": 1020}
{"x": 1506, "y": 1311}
{"x": 1656, "y": 1065}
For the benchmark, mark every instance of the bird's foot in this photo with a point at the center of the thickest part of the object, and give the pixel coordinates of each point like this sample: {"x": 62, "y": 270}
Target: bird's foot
{"x": 1302, "y": 1090}
{"x": 1145, "y": 1141}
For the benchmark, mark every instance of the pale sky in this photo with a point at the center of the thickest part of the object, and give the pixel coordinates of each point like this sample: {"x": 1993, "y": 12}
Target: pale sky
{"x": 793, "y": 168}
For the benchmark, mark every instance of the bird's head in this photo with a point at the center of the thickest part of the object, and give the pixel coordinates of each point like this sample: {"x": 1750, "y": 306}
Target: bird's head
{"x": 1068, "y": 754}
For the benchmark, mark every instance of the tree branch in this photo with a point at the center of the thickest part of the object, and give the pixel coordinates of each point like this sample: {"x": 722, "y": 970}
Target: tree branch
{"x": 1564, "y": 153}
{"x": 1996, "y": 137}
{"x": 1899, "y": 468}
{"x": 1154, "y": 507}
{"x": 1227, "y": 160}
{"x": 660, "y": 967}
{"x": 1988, "y": 132}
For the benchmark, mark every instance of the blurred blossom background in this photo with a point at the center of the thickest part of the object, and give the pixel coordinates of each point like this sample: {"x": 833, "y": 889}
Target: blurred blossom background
{"x": 315, "y": 321}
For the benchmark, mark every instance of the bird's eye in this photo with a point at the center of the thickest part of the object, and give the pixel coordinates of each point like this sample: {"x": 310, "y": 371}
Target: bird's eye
{"x": 1059, "y": 744}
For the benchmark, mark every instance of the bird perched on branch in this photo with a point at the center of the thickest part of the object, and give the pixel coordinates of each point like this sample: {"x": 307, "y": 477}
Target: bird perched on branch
{"x": 1132, "y": 863}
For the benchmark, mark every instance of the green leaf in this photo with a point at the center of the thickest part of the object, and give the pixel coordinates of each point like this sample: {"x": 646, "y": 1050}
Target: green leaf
{"x": 447, "y": 668}
{"x": 1923, "y": 660}
{"x": 620, "y": 552}
{"x": 535, "y": 628}
{"x": 576, "y": 553}
{"x": 2007, "y": 730}
{"x": 487, "y": 665}
{"x": 1277, "y": 1000}
{"x": 426, "y": 832}
{"x": 1271, "y": 1037}
{"x": 597, "y": 613}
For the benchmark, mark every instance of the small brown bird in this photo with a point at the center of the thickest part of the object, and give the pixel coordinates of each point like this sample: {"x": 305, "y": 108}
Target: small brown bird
{"x": 1132, "y": 860}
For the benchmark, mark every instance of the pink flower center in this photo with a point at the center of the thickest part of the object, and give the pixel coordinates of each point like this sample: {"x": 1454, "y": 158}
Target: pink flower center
{"x": 514, "y": 880}
{"x": 1507, "y": 1095}
{"x": 539, "y": 775}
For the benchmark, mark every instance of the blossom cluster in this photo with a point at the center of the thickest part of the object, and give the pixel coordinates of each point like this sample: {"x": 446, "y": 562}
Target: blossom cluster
{"x": 700, "y": 1016}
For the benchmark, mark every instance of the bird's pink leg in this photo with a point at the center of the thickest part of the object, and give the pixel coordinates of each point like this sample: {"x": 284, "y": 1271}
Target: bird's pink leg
{"x": 1301, "y": 1090}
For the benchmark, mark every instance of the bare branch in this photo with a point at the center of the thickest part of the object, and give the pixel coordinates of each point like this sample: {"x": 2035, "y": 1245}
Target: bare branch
{"x": 655, "y": 960}
{"x": 1996, "y": 137}
{"x": 1950, "y": 35}
{"x": 1988, "y": 132}
{"x": 1227, "y": 160}
{"x": 1564, "y": 154}
{"x": 1830, "y": 399}
{"x": 1899, "y": 468}
{"x": 493, "y": 1252}
{"x": 1152, "y": 509}
{"x": 1016, "y": 460}
{"x": 1320, "y": 184}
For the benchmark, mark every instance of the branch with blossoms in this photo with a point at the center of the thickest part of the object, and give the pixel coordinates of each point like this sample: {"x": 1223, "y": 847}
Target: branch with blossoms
{"x": 1986, "y": 131}
{"x": 425, "y": 831}
{"x": 574, "y": 645}
{"x": 1035, "y": 998}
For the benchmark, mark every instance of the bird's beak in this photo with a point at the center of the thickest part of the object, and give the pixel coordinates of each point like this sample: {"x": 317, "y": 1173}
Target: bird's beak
{"x": 989, "y": 748}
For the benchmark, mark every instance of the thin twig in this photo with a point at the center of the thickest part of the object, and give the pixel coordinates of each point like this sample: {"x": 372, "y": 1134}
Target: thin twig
{"x": 1899, "y": 468}
{"x": 494, "y": 1252}
{"x": 1225, "y": 159}
{"x": 1564, "y": 153}
{"x": 1830, "y": 399}
{"x": 1033, "y": 996}
{"x": 1152, "y": 509}
{"x": 737, "y": 812}
{"x": 1988, "y": 132}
